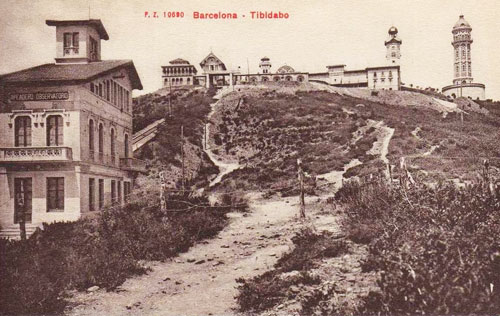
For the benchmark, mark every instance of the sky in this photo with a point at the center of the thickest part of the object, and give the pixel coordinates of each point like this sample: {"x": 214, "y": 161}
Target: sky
{"x": 316, "y": 34}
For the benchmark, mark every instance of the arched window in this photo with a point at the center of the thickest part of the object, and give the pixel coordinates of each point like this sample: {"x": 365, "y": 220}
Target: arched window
{"x": 112, "y": 145}
{"x": 22, "y": 131}
{"x": 300, "y": 78}
{"x": 91, "y": 139}
{"x": 101, "y": 142}
{"x": 55, "y": 130}
{"x": 126, "y": 146}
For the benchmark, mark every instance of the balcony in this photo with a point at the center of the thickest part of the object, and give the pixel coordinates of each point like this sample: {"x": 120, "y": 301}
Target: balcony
{"x": 132, "y": 164}
{"x": 35, "y": 154}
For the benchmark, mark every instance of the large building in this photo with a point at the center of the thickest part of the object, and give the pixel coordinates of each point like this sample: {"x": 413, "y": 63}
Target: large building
{"x": 387, "y": 77}
{"x": 463, "y": 85}
{"x": 66, "y": 127}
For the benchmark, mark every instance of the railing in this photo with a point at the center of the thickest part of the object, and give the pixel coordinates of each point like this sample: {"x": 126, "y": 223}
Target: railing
{"x": 71, "y": 51}
{"x": 35, "y": 154}
{"x": 133, "y": 164}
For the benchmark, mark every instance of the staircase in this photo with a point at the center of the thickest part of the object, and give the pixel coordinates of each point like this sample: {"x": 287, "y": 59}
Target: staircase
{"x": 13, "y": 231}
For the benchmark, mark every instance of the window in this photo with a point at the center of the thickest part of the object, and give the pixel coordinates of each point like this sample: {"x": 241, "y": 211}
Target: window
{"x": 101, "y": 142}
{"x": 126, "y": 146}
{"x": 112, "y": 145}
{"x": 127, "y": 100}
{"x": 393, "y": 54}
{"x": 93, "y": 48}
{"x": 375, "y": 74}
{"x": 113, "y": 191}
{"x": 126, "y": 190}
{"x": 55, "y": 194}
{"x": 22, "y": 131}
{"x": 91, "y": 139}
{"x": 54, "y": 130}
{"x": 119, "y": 189}
{"x": 23, "y": 196}
{"x": 92, "y": 87}
{"x": 390, "y": 73}
{"x": 71, "y": 43}
{"x": 463, "y": 67}
{"x": 91, "y": 194}
{"x": 101, "y": 193}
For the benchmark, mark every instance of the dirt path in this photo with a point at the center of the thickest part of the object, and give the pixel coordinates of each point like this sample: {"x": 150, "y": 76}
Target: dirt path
{"x": 202, "y": 281}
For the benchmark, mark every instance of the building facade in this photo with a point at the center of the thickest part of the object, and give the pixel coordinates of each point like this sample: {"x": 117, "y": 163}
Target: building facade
{"x": 179, "y": 73}
{"x": 66, "y": 145}
{"x": 383, "y": 77}
{"x": 283, "y": 73}
{"x": 463, "y": 85}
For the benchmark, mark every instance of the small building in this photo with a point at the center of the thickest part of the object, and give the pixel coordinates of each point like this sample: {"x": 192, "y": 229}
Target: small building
{"x": 178, "y": 74}
{"x": 393, "y": 46}
{"x": 463, "y": 85}
{"x": 284, "y": 73}
{"x": 66, "y": 128}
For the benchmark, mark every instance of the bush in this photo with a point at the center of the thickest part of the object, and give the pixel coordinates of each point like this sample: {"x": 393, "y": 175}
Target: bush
{"x": 271, "y": 288}
{"x": 436, "y": 247}
{"x": 105, "y": 251}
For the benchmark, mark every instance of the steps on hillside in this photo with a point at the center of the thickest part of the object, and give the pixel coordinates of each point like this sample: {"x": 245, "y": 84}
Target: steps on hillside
{"x": 13, "y": 231}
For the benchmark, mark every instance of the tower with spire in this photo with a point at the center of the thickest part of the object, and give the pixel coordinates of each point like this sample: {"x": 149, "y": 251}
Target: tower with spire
{"x": 393, "y": 45}
{"x": 463, "y": 85}
{"x": 462, "y": 41}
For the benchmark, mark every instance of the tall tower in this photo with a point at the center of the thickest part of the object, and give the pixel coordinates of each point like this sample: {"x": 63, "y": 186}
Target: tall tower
{"x": 265, "y": 65}
{"x": 462, "y": 41}
{"x": 393, "y": 45}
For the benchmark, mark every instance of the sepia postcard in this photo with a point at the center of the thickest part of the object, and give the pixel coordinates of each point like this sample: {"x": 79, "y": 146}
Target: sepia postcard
{"x": 229, "y": 157}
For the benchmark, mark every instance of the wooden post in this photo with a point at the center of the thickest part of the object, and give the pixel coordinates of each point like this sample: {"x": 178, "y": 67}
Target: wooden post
{"x": 301, "y": 183}
{"x": 182, "y": 155}
{"x": 163, "y": 189}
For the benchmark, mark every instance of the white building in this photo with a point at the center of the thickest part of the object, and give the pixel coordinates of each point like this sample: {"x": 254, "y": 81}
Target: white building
{"x": 383, "y": 77}
{"x": 463, "y": 85}
{"x": 66, "y": 130}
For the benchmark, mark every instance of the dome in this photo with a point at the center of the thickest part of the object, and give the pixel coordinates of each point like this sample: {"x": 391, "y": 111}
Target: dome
{"x": 393, "y": 30}
{"x": 285, "y": 69}
{"x": 461, "y": 23}
{"x": 264, "y": 58}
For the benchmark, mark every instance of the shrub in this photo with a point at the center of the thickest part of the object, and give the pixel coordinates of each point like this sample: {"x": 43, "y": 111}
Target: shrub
{"x": 435, "y": 247}
{"x": 104, "y": 251}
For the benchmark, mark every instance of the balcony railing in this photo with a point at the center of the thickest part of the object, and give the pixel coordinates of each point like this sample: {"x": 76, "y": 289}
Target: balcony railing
{"x": 36, "y": 154}
{"x": 132, "y": 164}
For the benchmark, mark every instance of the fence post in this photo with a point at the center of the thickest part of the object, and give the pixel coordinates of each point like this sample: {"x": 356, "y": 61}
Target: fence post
{"x": 163, "y": 189}
{"x": 301, "y": 184}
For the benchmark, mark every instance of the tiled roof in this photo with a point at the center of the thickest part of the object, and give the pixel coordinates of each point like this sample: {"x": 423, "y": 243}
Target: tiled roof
{"x": 53, "y": 73}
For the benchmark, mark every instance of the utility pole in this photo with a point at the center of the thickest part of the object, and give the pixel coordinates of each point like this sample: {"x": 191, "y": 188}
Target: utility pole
{"x": 301, "y": 183}
{"x": 206, "y": 136}
{"x": 182, "y": 155}
{"x": 170, "y": 98}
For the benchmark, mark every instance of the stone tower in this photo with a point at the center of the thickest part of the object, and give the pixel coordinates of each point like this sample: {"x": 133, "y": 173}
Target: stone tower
{"x": 265, "y": 65}
{"x": 393, "y": 45}
{"x": 462, "y": 41}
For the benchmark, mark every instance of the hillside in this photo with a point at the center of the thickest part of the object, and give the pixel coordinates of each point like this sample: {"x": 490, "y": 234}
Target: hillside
{"x": 266, "y": 129}
{"x": 186, "y": 108}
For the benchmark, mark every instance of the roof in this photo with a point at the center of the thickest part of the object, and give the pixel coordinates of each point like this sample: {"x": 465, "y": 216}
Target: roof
{"x": 211, "y": 55}
{"x": 461, "y": 23}
{"x": 92, "y": 22}
{"x": 57, "y": 73}
{"x": 335, "y": 66}
{"x": 285, "y": 69}
{"x": 382, "y": 67}
{"x": 179, "y": 61}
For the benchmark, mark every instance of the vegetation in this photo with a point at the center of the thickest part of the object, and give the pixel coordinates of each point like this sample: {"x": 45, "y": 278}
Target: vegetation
{"x": 437, "y": 248}
{"x": 104, "y": 251}
{"x": 273, "y": 287}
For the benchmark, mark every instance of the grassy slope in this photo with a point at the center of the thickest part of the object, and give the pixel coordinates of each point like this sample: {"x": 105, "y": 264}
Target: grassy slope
{"x": 273, "y": 127}
{"x": 189, "y": 109}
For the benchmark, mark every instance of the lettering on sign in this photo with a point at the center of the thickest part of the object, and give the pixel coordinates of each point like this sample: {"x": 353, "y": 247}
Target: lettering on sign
{"x": 39, "y": 96}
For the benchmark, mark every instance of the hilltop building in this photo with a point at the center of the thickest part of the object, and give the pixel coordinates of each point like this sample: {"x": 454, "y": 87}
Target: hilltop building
{"x": 284, "y": 73}
{"x": 463, "y": 85}
{"x": 179, "y": 73}
{"x": 66, "y": 129}
{"x": 383, "y": 77}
